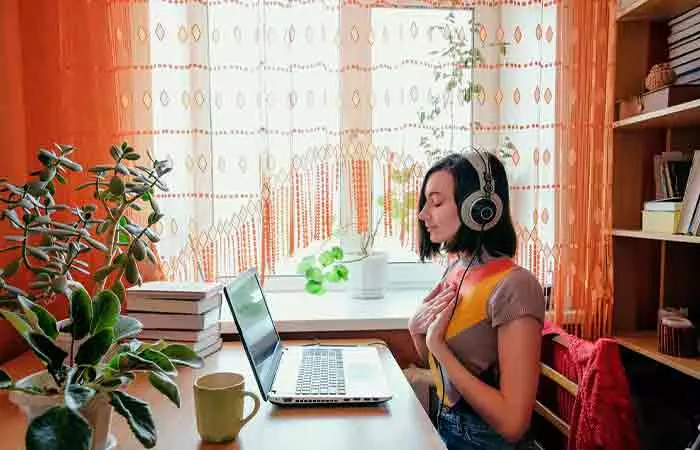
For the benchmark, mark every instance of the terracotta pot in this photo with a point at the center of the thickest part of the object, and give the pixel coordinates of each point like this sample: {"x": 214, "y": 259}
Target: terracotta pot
{"x": 98, "y": 412}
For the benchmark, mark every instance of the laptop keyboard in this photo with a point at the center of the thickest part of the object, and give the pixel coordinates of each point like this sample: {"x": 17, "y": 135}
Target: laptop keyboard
{"x": 321, "y": 372}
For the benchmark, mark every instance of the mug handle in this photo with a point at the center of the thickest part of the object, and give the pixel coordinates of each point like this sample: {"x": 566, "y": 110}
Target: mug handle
{"x": 256, "y": 406}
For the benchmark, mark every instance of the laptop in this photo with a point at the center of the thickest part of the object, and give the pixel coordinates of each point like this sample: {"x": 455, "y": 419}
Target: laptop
{"x": 293, "y": 375}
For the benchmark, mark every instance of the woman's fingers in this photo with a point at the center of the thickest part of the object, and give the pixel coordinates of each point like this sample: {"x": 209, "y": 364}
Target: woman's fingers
{"x": 436, "y": 290}
{"x": 445, "y": 295}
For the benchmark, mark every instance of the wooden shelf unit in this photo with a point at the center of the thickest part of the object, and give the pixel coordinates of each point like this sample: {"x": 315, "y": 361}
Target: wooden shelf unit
{"x": 677, "y": 116}
{"x": 651, "y": 270}
{"x": 653, "y": 9}
{"x": 645, "y": 342}
{"x": 639, "y": 234}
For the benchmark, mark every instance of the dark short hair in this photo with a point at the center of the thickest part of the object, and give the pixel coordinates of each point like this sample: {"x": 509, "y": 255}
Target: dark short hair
{"x": 497, "y": 241}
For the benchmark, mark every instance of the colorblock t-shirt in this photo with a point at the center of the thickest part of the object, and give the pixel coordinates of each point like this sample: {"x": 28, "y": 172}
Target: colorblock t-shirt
{"x": 493, "y": 293}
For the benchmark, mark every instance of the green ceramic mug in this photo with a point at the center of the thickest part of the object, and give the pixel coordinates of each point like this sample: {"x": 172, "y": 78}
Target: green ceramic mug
{"x": 218, "y": 401}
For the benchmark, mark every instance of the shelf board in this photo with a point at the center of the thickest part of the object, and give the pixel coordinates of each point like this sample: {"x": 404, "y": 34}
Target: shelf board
{"x": 677, "y": 116}
{"x": 654, "y": 9}
{"x": 645, "y": 343}
{"x": 657, "y": 236}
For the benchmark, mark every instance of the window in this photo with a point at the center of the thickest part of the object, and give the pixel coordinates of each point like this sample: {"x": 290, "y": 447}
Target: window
{"x": 240, "y": 89}
{"x": 397, "y": 49}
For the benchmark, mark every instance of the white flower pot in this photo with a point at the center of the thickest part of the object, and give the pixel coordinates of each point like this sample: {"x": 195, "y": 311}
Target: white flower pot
{"x": 368, "y": 278}
{"x": 98, "y": 412}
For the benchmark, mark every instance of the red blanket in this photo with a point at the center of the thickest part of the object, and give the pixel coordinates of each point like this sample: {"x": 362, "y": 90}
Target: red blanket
{"x": 603, "y": 416}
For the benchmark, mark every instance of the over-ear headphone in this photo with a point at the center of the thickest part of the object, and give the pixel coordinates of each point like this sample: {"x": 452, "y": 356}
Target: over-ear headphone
{"x": 482, "y": 209}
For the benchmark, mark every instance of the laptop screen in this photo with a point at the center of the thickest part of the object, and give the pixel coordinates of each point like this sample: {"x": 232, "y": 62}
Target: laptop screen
{"x": 257, "y": 331}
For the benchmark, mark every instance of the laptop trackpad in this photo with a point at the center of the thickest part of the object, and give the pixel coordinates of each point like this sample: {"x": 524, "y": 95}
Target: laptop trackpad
{"x": 363, "y": 371}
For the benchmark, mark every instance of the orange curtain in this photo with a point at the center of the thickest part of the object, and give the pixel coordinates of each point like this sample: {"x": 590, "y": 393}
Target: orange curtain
{"x": 57, "y": 85}
{"x": 584, "y": 152}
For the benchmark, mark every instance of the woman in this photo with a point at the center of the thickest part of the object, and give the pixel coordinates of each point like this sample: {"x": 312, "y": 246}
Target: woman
{"x": 483, "y": 345}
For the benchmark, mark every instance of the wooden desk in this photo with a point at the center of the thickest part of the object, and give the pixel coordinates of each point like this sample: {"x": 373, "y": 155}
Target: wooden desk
{"x": 399, "y": 423}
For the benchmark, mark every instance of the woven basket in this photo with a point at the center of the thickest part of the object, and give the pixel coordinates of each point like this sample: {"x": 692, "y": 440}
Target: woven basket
{"x": 659, "y": 76}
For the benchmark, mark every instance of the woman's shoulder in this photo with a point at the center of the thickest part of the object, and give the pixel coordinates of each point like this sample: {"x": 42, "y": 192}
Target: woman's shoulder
{"x": 518, "y": 293}
{"x": 519, "y": 275}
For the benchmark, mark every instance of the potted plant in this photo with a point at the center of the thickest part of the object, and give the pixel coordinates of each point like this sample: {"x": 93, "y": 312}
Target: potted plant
{"x": 366, "y": 268}
{"x": 70, "y": 403}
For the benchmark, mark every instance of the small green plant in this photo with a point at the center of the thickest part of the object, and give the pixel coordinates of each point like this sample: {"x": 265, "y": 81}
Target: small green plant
{"x": 51, "y": 239}
{"x": 454, "y": 77}
{"x": 329, "y": 265}
{"x": 325, "y": 266}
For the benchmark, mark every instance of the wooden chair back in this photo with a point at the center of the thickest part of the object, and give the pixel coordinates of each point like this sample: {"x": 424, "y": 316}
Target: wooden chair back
{"x": 562, "y": 381}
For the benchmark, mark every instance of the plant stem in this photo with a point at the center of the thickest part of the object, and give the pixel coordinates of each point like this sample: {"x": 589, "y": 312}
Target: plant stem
{"x": 23, "y": 390}
{"x": 77, "y": 241}
{"x": 365, "y": 256}
{"x": 72, "y": 343}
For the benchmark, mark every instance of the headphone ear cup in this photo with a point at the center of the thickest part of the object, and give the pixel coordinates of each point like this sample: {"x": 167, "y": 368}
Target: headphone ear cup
{"x": 479, "y": 213}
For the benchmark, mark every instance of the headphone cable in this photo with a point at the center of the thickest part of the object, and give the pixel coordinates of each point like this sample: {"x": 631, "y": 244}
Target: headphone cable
{"x": 459, "y": 287}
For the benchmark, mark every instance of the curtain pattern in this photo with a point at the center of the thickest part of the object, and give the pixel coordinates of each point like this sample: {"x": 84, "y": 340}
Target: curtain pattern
{"x": 584, "y": 142}
{"x": 287, "y": 120}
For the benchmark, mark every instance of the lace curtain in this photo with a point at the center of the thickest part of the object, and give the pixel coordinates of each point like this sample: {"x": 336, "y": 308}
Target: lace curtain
{"x": 287, "y": 120}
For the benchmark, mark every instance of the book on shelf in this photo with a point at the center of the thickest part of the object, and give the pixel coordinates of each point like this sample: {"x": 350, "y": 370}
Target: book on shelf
{"x": 175, "y": 290}
{"x": 684, "y": 33}
{"x": 689, "y": 78}
{"x": 687, "y": 68}
{"x": 180, "y": 335}
{"x": 684, "y": 20}
{"x": 664, "y": 204}
{"x": 682, "y": 48}
{"x": 167, "y": 305}
{"x": 671, "y": 170}
{"x": 688, "y": 33}
{"x": 689, "y": 222}
{"x": 660, "y": 221}
{"x": 167, "y": 321}
{"x": 688, "y": 58}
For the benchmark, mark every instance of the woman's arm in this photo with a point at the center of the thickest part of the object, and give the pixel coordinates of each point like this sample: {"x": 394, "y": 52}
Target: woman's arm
{"x": 421, "y": 348}
{"x": 508, "y": 409}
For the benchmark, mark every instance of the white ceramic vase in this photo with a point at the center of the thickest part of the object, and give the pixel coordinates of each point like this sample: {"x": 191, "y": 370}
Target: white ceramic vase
{"x": 98, "y": 412}
{"x": 368, "y": 278}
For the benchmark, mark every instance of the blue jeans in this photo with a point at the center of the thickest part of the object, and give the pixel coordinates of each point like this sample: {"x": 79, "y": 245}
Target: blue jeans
{"x": 465, "y": 430}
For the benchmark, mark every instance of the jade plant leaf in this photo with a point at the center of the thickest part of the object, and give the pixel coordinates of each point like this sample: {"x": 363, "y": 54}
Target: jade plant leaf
{"x": 80, "y": 313}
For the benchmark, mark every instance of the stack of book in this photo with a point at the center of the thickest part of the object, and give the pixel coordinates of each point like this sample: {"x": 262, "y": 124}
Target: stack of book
{"x": 178, "y": 312}
{"x": 661, "y": 216}
{"x": 684, "y": 46}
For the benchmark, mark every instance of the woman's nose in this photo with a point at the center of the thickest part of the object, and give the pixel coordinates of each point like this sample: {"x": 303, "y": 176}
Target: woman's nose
{"x": 421, "y": 214}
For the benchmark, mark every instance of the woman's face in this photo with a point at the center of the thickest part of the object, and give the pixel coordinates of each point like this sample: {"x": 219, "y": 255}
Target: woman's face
{"x": 440, "y": 213}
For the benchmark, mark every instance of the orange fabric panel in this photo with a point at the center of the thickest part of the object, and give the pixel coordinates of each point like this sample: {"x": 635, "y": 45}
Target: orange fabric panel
{"x": 57, "y": 86}
{"x": 584, "y": 145}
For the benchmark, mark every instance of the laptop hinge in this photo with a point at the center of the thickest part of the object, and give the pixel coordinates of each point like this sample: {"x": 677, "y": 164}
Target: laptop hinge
{"x": 277, "y": 365}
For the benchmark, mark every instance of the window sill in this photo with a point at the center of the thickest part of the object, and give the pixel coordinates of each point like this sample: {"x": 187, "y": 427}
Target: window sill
{"x": 336, "y": 311}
